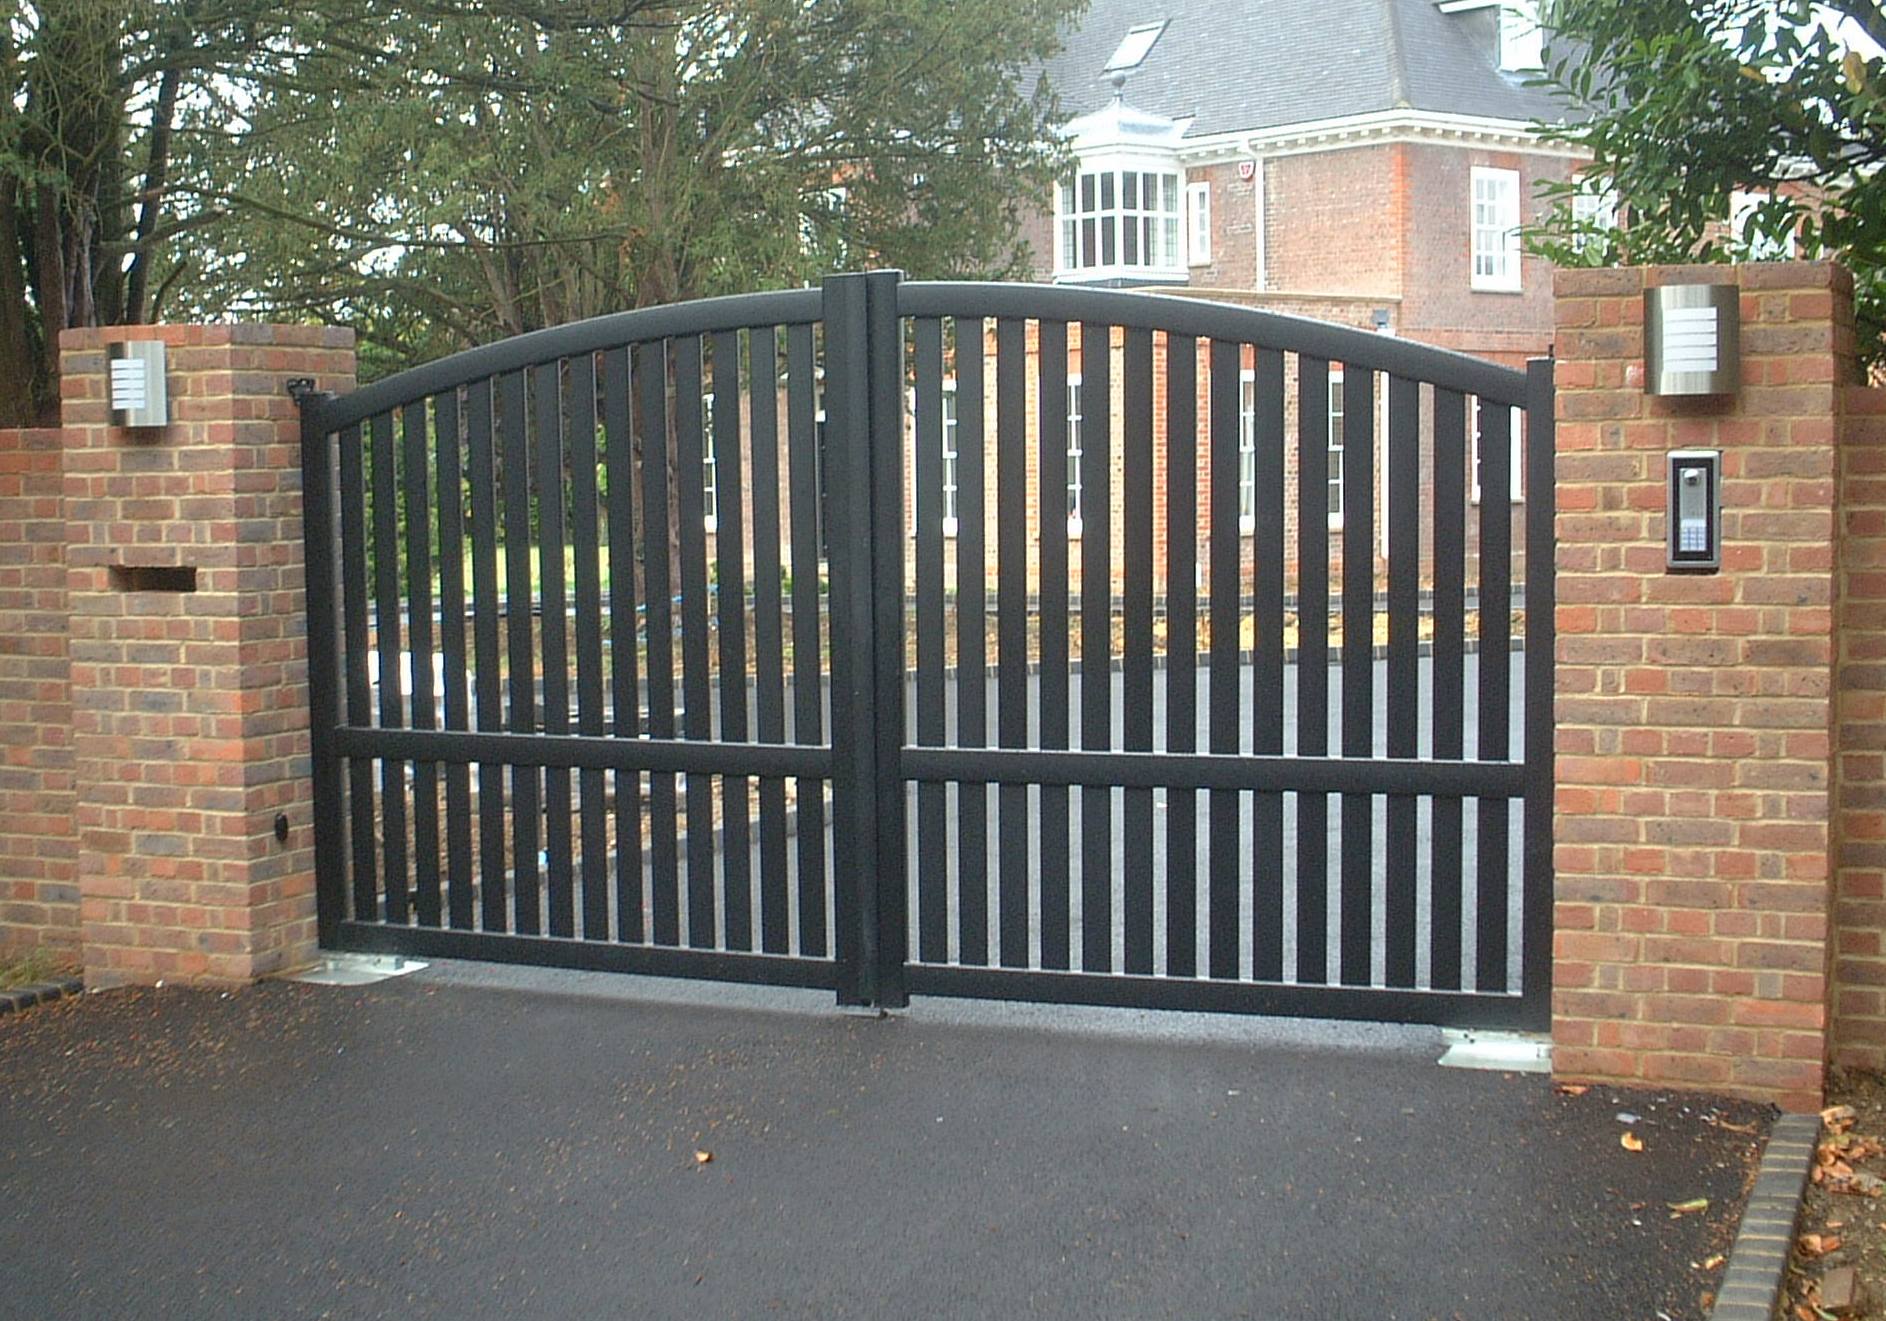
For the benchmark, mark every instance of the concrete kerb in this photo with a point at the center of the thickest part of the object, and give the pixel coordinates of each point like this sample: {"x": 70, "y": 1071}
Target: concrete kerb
{"x": 1758, "y": 1262}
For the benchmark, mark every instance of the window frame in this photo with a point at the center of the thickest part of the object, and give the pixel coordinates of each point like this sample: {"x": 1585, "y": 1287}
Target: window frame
{"x": 1101, "y": 213}
{"x": 1332, "y": 449}
{"x": 1076, "y": 521}
{"x": 710, "y": 467}
{"x": 1197, "y": 210}
{"x": 1247, "y": 451}
{"x": 1516, "y": 480}
{"x": 1504, "y": 273}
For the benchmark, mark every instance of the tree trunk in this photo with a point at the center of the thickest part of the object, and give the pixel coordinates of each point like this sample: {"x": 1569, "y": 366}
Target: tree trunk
{"x": 22, "y": 389}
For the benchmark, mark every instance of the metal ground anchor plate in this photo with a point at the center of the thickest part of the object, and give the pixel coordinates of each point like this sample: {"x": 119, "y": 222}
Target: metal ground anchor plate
{"x": 357, "y": 969}
{"x": 1504, "y": 1052}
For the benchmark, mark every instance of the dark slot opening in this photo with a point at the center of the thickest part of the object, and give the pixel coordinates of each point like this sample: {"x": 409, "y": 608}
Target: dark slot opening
{"x": 153, "y": 578}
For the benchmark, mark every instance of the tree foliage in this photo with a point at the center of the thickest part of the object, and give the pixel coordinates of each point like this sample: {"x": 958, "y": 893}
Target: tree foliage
{"x": 491, "y": 170}
{"x": 439, "y": 173}
{"x": 1683, "y": 103}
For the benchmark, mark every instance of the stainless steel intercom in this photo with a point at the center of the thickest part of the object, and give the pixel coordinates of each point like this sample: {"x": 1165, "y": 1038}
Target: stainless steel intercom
{"x": 1695, "y": 510}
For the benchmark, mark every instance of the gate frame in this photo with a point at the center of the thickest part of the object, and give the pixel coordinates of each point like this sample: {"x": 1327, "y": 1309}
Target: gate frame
{"x": 867, "y": 761}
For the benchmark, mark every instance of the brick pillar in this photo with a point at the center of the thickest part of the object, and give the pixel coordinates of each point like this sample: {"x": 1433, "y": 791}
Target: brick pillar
{"x": 190, "y": 693}
{"x": 1692, "y": 822}
{"x": 1860, "y": 725}
{"x": 39, "y": 893}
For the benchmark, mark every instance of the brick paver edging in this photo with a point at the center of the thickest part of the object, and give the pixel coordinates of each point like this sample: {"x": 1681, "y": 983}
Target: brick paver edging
{"x": 36, "y": 993}
{"x": 1759, "y": 1260}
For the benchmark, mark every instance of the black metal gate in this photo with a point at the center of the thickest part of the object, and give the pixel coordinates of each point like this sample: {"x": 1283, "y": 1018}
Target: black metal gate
{"x": 866, "y": 518}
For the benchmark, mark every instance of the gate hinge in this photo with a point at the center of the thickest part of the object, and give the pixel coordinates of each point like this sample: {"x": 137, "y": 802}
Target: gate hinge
{"x": 299, "y": 387}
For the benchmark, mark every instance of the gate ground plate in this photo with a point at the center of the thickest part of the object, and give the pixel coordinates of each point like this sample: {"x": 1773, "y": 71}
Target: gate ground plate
{"x": 357, "y": 969}
{"x": 1506, "y": 1052}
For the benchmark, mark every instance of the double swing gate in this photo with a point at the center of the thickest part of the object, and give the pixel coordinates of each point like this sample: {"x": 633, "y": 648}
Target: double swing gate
{"x": 938, "y": 638}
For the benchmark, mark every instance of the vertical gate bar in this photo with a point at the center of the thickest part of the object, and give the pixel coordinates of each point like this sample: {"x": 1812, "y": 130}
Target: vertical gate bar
{"x": 526, "y": 781}
{"x": 386, "y": 628}
{"x": 1358, "y": 664}
{"x": 449, "y": 441}
{"x": 547, "y": 391}
{"x": 324, "y": 696}
{"x": 1313, "y": 493}
{"x": 494, "y": 889}
{"x": 1450, "y": 702}
{"x": 360, "y": 794}
{"x": 928, "y": 512}
{"x": 1056, "y": 515}
{"x": 415, "y": 437}
{"x": 849, "y": 549}
{"x": 1011, "y": 496}
{"x": 890, "y": 908}
{"x": 585, "y": 555}
{"x": 1222, "y": 879}
{"x": 649, "y": 375}
{"x": 1535, "y": 956}
{"x": 808, "y": 653}
{"x": 730, "y": 567}
{"x": 1097, "y": 640}
{"x": 768, "y": 646}
{"x": 1136, "y": 680}
{"x": 1267, "y": 669}
{"x": 1404, "y": 666}
{"x": 696, "y": 687}
{"x": 1181, "y": 649}
{"x": 625, "y": 688}
{"x": 1494, "y": 870}
{"x": 972, "y": 645}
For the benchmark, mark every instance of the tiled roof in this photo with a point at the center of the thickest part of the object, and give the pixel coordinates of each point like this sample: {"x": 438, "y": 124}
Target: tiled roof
{"x": 1237, "y": 65}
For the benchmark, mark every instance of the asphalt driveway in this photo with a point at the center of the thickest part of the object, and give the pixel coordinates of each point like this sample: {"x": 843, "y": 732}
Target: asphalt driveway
{"x": 464, "y": 1143}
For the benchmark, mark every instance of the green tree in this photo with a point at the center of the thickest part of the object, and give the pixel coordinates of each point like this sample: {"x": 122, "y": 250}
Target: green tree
{"x": 101, "y": 102}
{"x": 457, "y": 174}
{"x": 1682, "y": 103}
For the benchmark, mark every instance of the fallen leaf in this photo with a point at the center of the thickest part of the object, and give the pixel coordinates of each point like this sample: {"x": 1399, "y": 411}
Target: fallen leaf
{"x": 1631, "y": 1142}
{"x": 1686, "y": 1208}
{"x": 702, "y": 1157}
{"x": 1816, "y": 1245}
{"x": 1838, "y": 1118}
{"x": 1713, "y": 1260}
{"x": 1573, "y": 1088}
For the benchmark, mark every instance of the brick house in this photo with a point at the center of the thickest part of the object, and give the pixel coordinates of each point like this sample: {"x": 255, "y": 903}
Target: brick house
{"x": 1367, "y": 162}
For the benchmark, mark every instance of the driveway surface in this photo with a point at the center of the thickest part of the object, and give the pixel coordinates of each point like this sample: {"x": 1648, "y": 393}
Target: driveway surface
{"x": 471, "y": 1143}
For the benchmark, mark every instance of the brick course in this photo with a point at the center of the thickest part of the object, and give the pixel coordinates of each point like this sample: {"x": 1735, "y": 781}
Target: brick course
{"x": 1694, "y": 821}
{"x": 190, "y": 707}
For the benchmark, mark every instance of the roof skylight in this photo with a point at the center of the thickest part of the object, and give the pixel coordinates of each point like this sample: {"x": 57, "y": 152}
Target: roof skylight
{"x": 1135, "y": 47}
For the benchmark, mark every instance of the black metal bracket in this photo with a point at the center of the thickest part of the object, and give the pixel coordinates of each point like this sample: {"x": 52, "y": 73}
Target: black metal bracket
{"x": 299, "y": 387}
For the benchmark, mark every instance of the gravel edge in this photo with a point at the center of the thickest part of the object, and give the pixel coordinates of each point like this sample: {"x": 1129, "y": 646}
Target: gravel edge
{"x": 1758, "y": 1261}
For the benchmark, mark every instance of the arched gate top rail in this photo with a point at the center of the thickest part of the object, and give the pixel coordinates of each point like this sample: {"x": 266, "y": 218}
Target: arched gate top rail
{"x": 777, "y": 307}
{"x": 945, "y": 298}
{"x": 1222, "y": 321}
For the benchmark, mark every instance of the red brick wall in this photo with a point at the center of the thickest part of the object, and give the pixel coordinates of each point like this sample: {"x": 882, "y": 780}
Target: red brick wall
{"x": 1693, "y": 822}
{"x": 1333, "y": 223}
{"x": 1860, "y": 719}
{"x": 39, "y": 896}
{"x": 1233, "y": 263}
{"x": 190, "y": 707}
{"x": 1441, "y": 305}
